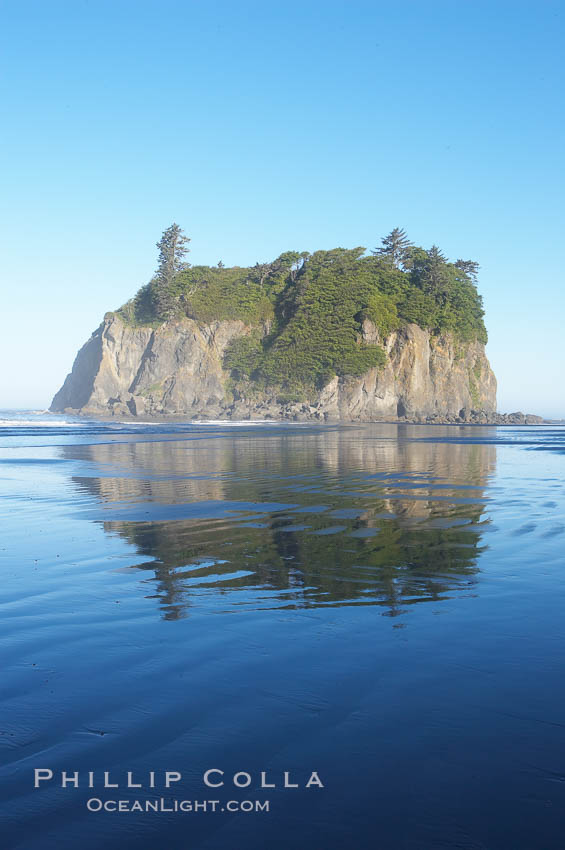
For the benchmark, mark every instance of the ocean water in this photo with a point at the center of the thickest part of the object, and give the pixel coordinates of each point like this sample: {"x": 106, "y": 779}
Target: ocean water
{"x": 383, "y": 606}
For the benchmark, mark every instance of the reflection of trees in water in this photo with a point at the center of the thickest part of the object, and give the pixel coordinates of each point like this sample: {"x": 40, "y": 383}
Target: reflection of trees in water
{"x": 390, "y": 484}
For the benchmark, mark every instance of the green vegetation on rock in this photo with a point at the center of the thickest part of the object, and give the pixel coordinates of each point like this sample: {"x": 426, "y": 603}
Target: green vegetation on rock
{"x": 305, "y": 312}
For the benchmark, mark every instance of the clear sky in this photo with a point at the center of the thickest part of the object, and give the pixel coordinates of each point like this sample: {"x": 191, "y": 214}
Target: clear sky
{"x": 268, "y": 126}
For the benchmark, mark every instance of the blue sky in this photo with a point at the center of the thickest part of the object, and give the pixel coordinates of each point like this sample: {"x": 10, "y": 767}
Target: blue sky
{"x": 268, "y": 126}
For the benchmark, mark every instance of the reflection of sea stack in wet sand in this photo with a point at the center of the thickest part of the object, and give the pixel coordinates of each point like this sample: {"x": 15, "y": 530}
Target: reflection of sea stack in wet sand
{"x": 328, "y": 516}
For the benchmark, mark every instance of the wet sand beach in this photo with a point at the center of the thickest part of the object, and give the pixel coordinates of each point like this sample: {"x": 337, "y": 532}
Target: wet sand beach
{"x": 379, "y": 604}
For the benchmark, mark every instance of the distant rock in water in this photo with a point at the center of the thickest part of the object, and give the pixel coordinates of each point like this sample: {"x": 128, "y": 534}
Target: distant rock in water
{"x": 177, "y": 370}
{"x": 481, "y": 417}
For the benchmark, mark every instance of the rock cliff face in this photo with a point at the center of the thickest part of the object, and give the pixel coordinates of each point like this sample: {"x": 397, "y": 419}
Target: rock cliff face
{"x": 176, "y": 370}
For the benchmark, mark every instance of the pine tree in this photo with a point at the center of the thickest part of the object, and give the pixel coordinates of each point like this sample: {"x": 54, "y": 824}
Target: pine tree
{"x": 436, "y": 257}
{"x": 262, "y": 271}
{"x": 173, "y": 246}
{"x": 468, "y": 267}
{"x": 434, "y": 277}
{"x": 396, "y": 246}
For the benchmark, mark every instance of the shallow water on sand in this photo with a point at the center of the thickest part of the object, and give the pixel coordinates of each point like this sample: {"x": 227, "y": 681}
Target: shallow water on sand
{"x": 381, "y": 604}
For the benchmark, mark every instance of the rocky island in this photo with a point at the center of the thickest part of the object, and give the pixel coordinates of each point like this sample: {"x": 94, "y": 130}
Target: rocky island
{"x": 395, "y": 335}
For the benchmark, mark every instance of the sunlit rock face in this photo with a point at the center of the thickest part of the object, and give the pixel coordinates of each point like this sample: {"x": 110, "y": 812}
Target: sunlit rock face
{"x": 176, "y": 370}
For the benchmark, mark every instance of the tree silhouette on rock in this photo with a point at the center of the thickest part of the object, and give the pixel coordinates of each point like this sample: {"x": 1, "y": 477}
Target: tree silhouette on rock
{"x": 469, "y": 268}
{"x": 173, "y": 247}
{"x": 396, "y": 247}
